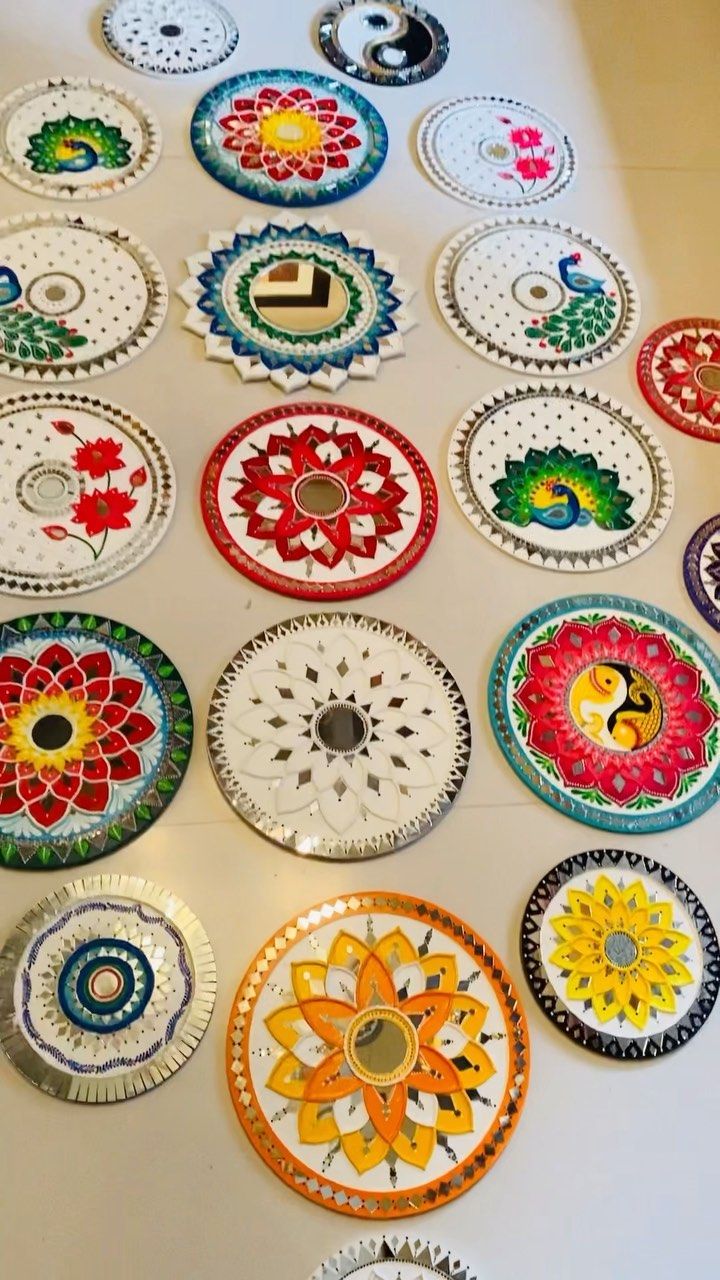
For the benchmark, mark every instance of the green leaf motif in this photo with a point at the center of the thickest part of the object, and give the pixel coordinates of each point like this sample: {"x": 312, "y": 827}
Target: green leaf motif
{"x": 591, "y": 314}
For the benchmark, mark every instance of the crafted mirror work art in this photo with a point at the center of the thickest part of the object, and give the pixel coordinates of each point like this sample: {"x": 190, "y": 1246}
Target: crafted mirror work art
{"x": 338, "y": 736}
{"x": 701, "y": 570}
{"x": 297, "y": 303}
{"x": 377, "y": 1055}
{"x": 95, "y": 737}
{"x": 393, "y": 1258}
{"x": 608, "y": 709}
{"x": 620, "y": 954}
{"x": 319, "y": 502}
{"x": 169, "y": 37}
{"x": 106, "y": 989}
{"x": 678, "y": 371}
{"x": 288, "y": 137}
{"x": 385, "y": 42}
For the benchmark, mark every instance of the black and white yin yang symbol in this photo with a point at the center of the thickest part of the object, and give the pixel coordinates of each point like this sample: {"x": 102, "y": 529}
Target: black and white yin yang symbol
{"x": 383, "y": 41}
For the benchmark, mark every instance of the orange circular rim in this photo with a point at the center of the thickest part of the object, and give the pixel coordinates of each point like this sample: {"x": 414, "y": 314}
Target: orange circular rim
{"x": 355, "y": 1201}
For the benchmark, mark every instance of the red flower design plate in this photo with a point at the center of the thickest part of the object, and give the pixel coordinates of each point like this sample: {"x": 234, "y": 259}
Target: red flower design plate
{"x": 678, "y": 370}
{"x": 319, "y": 501}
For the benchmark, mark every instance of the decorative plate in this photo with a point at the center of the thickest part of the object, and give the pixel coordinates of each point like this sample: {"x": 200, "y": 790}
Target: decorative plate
{"x": 561, "y": 476}
{"x": 620, "y": 954}
{"x": 495, "y": 152}
{"x": 169, "y": 37}
{"x": 383, "y": 41}
{"x": 678, "y": 370}
{"x": 377, "y": 1055}
{"x": 73, "y": 138}
{"x": 106, "y": 988}
{"x": 318, "y": 502}
{"x": 608, "y": 709}
{"x": 701, "y": 569}
{"x": 78, "y": 297}
{"x": 95, "y": 737}
{"x": 541, "y": 296}
{"x": 393, "y": 1258}
{"x": 87, "y": 491}
{"x": 338, "y": 735}
{"x": 296, "y": 303}
{"x": 288, "y": 137}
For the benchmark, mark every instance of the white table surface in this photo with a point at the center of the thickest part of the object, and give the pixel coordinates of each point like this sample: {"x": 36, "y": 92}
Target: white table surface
{"x": 612, "y": 1171}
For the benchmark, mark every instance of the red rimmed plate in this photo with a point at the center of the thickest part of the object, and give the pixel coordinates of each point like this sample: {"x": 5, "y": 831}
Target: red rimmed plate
{"x": 678, "y": 370}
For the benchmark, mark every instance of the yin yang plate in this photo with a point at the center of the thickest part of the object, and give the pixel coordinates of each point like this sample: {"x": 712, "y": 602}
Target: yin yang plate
{"x": 169, "y": 37}
{"x": 384, "y": 42}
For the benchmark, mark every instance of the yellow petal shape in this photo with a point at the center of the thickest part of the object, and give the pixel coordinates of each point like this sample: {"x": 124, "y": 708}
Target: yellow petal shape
{"x": 395, "y": 948}
{"x": 661, "y": 914}
{"x": 443, "y": 968}
{"x": 605, "y": 1006}
{"x": 460, "y": 1119}
{"x": 479, "y": 1068}
{"x": 288, "y": 1077}
{"x": 287, "y": 1025}
{"x": 308, "y": 979}
{"x": 569, "y": 928}
{"x": 579, "y": 986}
{"x": 418, "y": 1148}
{"x": 586, "y": 907}
{"x": 363, "y": 1153}
{"x": 469, "y": 1014}
{"x": 566, "y": 957}
{"x": 605, "y": 888}
{"x": 348, "y": 951}
{"x": 314, "y": 1127}
{"x": 635, "y": 892}
{"x": 662, "y": 998}
{"x": 655, "y": 937}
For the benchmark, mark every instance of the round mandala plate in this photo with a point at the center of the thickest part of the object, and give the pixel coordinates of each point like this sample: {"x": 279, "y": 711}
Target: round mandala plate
{"x": 106, "y": 988}
{"x": 73, "y": 138}
{"x": 77, "y": 297}
{"x": 541, "y": 296}
{"x": 169, "y": 37}
{"x": 377, "y": 1056}
{"x": 607, "y": 708}
{"x": 296, "y": 303}
{"x": 87, "y": 492}
{"x": 383, "y": 41}
{"x": 701, "y": 569}
{"x": 561, "y": 476}
{"x": 393, "y": 1258}
{"x": 678, "y": 370}
{"x": 495, "y": 152}
{"x": 338, "y": 736}
{"x": 620, "y": 954}
{"x": 95, "y": 737}
{"x": 318, "y": 502}
{"x": 288, "y": 137}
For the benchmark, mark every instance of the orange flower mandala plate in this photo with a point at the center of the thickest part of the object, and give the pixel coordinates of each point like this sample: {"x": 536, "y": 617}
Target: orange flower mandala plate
{"x": 377, "y": 1055}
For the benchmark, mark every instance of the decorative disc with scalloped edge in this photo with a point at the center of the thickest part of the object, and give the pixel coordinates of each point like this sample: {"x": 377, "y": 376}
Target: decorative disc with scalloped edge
{"x": 338, "y": 736}
{"x": 95, "y": 737}
{"x": 388, "y": 42}
{"x": 288, "y": 137}
{"x": 561, "y": 476}
{"x": 169, "y": 37}
{"x": 540, "y": 296}
{"x": 620, "y": 954}
{"x": 296, "y": 303}
{"x": 701, "y": 570}
{"x": 87, "y": 492}
{"x": 73, "y": 138}
{"x": 393, "y": 1258}
{"x": 378, "y": 1057}
{"x": 106, "y": 988}
{"x": 319, "y": 502}
{"x": 678, "y": 371}
{"x": 78, "y": 297}
{"x": 608, "y": 709}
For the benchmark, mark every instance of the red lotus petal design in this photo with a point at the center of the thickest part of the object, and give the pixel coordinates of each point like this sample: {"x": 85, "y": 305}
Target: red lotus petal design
{"x": 96, "y": 457}
{"x": 244, "y": 137}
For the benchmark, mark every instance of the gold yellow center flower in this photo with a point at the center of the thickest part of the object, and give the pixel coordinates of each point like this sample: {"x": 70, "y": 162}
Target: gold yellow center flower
{"x": 290, "y": 131}
{"x": 380, "y": 1050}
{"x": 621, "y": 952}
{"x": 51, "y": 731}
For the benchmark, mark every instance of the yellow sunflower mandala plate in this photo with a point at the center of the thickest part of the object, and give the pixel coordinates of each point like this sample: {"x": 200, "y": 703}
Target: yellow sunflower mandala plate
{"x": 377, "y": 1055}
{"x": 620, "y": 954}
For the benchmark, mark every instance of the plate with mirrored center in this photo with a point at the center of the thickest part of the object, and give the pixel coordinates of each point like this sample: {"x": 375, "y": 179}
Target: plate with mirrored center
{"x": 393, "y": 1258}
{"x": 169, "y": 37}
{"x": 384, "y": 42}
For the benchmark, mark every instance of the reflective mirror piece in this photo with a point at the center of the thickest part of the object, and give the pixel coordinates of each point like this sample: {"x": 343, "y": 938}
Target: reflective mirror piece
{"x": 338, "y": 736}
{"x": 106, "y": 989}
{"x": 608, "y": 709}
{"x": 701, "y": 570}
{"x": 620, "y": 954}
{"x": 378, "y": 1060}
{"x": 169, "y": 37}
{"x": 390, "y": 1257}
{"x": 678, "y": 370}
{"x": 383, "y": 41}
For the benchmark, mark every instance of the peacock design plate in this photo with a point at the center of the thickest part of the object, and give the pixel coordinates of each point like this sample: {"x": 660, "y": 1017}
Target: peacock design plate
{"x": 620, "y": 954}
{"x": 297, "y": 303}
{"x": 77, "y": 297}
{"x": 495, "y": 152}
{"x": 288, "y": 137}
{"x": 338, "y": 736}
{"x": 540, "y": 296}
{"x": 378, "y": 1057}
{"x": 561, "y": 476}
{"x": 701, "y": 569}
{"x": 608, "y": 709}
{"x": 95, "y": 737}
{"x": 169, "y": 37}
{"x": 678, "y": 371}
{"x": 390, "y": 42}
{"x": 73, "y": 138}
{"x": 319, "y": 502}
{"x": 393, "y": 1258}
{"x": 87, "y": 492}
{"x": 106, "y": 988}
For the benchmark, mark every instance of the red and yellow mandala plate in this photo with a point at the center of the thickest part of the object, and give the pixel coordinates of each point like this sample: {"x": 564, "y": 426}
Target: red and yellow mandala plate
{"x": 319, "y": 501}
{"x": 377, "y": 1055}
{"x": 678, "y": 370}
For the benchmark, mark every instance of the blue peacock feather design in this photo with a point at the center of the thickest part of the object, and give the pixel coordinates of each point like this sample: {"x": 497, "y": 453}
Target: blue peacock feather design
{"x": 73, "y": 145}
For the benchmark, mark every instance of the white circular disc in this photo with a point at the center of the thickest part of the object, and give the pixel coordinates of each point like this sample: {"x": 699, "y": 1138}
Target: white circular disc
{"x": 169, "y": 37}
{"x": 392, "y": 1258}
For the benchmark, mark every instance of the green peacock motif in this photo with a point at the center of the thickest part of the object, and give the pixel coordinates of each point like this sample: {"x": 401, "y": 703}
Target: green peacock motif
{"x": 557, "y": 489}
{"x": 28, "y": 336}
{"x": 580, "y": 324}
{"x": 72, "y": 145}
